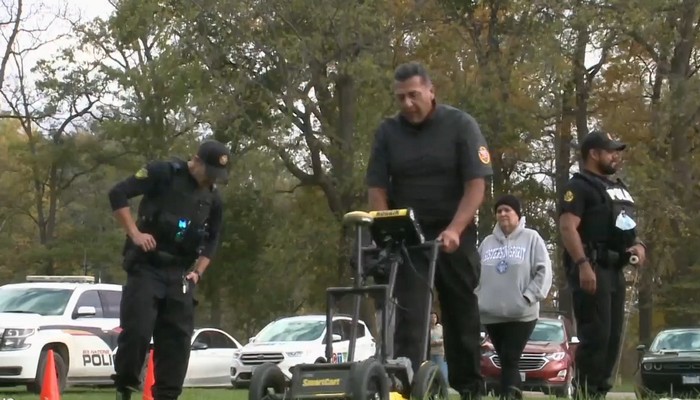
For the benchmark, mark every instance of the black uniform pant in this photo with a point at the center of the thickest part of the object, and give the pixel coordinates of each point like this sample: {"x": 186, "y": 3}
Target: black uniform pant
{"x": 153, "y": 304}
{"x": 509, "y": 340}
{"x": 599, "y": 323}
{"x": 457, "y": 276}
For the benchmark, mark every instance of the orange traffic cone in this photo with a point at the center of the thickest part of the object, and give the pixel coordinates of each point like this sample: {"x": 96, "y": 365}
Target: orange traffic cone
{"x": 49, "y": 388}
{"x": 150, "y": 379}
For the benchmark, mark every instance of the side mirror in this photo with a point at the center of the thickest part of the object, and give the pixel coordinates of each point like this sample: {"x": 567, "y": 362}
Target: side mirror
{"x": 85, "y": 311}
{"x": 641, "y": 348}
{"x": 199, "y": 346}
{"x": 336, "y": 338}
{"x": 574, "y": 340}
{"x": 251, "y": 340}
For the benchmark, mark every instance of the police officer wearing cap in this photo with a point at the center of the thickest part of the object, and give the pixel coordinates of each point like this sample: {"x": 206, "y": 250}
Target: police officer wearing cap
{"x": 167, "y": 250}
{"x": 598, "y": 230}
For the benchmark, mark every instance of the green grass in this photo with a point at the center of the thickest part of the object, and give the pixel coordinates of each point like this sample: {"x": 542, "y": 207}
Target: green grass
{"x": 78, "y": 393}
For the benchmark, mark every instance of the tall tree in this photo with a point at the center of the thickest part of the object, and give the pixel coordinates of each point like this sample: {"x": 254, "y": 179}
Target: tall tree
{"x": 52, "y": 114}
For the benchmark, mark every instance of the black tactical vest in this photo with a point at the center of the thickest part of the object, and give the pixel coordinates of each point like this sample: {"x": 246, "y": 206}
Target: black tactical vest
{"x": 176, "y": 216}
{"x": 611, "y": 224}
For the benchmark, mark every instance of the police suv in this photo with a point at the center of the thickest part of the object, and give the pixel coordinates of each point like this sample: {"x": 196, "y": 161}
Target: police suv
{"x": 73, "y": 315}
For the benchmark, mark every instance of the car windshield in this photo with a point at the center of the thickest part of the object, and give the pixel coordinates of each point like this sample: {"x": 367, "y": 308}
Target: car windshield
{"x": 677, "y": 341}
{"x": 287, "y": 330}
{"x": 43, "y": 301}
{"x": 546, "y": 331}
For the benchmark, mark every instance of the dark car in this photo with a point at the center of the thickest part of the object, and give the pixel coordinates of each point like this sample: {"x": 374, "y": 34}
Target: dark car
{"x": 670, "y": 366}
{"x": 547, "y": 363}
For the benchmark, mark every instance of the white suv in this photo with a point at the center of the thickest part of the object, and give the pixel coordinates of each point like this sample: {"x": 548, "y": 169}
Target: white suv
{"x": 72, "y": 315}
{"x": 299, "y": 340}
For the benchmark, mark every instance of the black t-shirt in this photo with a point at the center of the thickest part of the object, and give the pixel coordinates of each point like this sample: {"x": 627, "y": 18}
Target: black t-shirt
{"x": 578, "y": 196}
{"x": 436, "y": 157}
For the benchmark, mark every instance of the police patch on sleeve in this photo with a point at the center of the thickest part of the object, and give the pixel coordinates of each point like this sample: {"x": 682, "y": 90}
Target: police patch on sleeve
{"x": 484, "y": 155}
{"x": 568, "y": 196}
{"x": 142, "y": 173}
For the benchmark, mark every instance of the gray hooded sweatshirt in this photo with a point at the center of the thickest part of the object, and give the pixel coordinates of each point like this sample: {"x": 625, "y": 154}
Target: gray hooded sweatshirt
{"x": 516, "y": 274}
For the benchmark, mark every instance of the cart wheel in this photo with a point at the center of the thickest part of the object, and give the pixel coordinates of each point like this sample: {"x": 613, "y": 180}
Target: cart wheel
{"x": 267, "y": 383}
{"x": 369, "y": 381}
{"x": 428, "y": 383}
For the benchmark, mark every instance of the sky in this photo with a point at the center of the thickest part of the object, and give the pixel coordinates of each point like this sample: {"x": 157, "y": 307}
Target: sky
{"x": 41, "y": 27}
{"x": 41, "y": 14}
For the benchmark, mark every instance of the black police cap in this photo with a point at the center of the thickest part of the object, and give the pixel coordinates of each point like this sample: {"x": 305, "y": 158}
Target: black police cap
{"x": 216, "y": 157}
{"x": 599, "y": 140}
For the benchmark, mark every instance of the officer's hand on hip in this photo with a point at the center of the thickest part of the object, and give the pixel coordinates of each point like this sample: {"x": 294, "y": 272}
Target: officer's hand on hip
{"x": 586, "y": 277}
{"x": 144, "y": 240}
{"x": 450, "y": 240}
{"x": 639, "y": 251}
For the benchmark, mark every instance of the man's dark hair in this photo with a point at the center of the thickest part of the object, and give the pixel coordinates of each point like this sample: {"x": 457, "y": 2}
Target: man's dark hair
{"x": 408, "y": 70}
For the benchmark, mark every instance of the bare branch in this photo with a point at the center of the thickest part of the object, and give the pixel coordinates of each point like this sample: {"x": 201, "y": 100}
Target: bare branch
{"x": 10, "y": 42}
{"x": 290, "y": 191}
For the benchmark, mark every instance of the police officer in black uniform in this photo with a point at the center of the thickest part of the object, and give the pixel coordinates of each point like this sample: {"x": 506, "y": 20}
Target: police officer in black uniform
{"x": 433, "y": 158}
{"x": 167, "y": 250}
{"x": 598, "y": 229}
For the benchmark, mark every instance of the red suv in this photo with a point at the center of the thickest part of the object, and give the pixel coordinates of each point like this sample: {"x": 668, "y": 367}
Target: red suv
{"x": 546, "y": 364}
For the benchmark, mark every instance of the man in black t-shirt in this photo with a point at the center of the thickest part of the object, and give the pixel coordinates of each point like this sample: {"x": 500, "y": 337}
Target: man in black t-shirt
{"x": 600, "y": 236}
{"x": 433, "y": 158}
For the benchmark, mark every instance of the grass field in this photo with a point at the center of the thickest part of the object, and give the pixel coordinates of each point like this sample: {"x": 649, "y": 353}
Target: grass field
{"x": 109, "y": 394}
{"x": 78, "y": 393}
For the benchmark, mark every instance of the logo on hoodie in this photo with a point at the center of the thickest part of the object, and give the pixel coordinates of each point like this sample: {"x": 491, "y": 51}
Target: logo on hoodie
{"x": 503, "y": 253}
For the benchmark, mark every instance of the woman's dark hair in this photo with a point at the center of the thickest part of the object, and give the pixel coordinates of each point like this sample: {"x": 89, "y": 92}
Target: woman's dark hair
{"x": 437, "y": 317}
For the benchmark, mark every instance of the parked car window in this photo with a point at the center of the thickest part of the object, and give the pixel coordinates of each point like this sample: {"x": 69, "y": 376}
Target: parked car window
{"x": 218, "y": 340}
{"x": 111, "y": 300}
{"x": 338, "y": 329}
{"x": 286, "y": 330}
{"x": 677, "y": 340}
{"x": 347, "y": 329}
{"x": 89, "y": 298}
{"x": 42, "y": 301}
{"x": 548, "y": 332}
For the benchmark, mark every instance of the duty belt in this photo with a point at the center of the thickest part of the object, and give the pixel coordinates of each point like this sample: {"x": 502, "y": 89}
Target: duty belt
{"x": 164, "y": 259}
{"x": 606, "y": 258}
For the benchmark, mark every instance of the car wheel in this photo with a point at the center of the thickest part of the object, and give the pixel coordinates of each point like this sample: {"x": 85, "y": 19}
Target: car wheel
{"x": 61, "y": 372}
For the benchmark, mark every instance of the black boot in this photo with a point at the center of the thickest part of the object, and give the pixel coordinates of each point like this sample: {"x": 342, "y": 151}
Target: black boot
{"x": 125, "y": 393}
{"x": 469, "y": 395}
{"x": 511, "y": 393}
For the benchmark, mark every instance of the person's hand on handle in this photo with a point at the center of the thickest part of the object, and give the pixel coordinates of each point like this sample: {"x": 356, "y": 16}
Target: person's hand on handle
{"x": 193, "y": 277}
{"x": 449, "y": 240}
{"x": 640, "y": 252}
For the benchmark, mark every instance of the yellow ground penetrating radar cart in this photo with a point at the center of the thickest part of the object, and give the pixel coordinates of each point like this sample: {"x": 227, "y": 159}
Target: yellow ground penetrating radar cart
{"x": 395, "y": 234}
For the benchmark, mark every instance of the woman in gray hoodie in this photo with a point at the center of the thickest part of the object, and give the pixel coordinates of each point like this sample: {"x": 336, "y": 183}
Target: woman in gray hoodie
{"x": 516, "y": 274}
